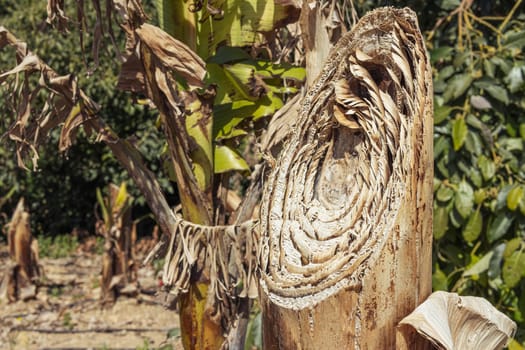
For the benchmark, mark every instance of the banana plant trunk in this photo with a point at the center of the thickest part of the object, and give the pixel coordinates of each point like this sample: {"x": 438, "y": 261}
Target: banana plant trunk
{"x": 188, "y": 133}
{"x": 346, "y": 214}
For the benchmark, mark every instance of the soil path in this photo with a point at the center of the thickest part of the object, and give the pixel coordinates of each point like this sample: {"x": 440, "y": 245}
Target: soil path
{"x": 67, "y": 313}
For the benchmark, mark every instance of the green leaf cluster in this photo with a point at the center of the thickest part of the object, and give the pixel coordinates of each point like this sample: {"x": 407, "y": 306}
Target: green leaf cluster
{"x": 249, "y": 85}
{"x": 114, "y": 206}
{"x": 247, "y": 90}
{"x": 479, "y": 183}
{"x": 60, "y": 246}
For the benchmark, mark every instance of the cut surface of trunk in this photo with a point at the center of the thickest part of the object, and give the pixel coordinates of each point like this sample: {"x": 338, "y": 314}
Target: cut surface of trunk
{"x": 346, "y": 214}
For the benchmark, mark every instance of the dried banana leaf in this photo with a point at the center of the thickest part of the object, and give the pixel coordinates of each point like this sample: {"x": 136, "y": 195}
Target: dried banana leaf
{"x": 454, "y": 322}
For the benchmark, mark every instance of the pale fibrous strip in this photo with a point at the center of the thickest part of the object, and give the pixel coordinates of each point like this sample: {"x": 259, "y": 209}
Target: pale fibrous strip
{"x": 336, "y": 188}
{"x": 230, "y": 252}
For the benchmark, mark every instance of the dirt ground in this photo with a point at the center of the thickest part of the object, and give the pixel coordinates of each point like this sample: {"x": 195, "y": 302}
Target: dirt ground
{"x": 67, "y": 314}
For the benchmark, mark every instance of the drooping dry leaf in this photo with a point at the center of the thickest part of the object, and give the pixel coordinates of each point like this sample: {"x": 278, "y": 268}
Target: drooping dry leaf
{"x": 230, "y": 254}
{"x": 62, "y": 94}
{"x": 155, "y": 60}
{"x": 454, "y": 322}
{"x": 29, "y": 64}
{"x": 161, "y": 60}
{"x": 67, "y": 104}
{"x": 72, "y": 122}
{"x": 55, "y": 12}
{"x": 131, "y": 77}
{"x": 11, "y": 227}
{"x": 131, "y": 15}
{"x": 131, "y": 12}
{"x": 173, "y": 54}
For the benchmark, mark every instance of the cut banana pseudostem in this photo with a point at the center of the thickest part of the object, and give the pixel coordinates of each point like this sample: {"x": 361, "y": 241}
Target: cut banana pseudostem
{"x": 339, "y": 184}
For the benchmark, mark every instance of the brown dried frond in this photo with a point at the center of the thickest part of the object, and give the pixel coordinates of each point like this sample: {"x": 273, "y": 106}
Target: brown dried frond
{"x": 22, "y": 243}
{"x": 64, "y": 103}
{"x": 56, "y": 14}
{"x": 23, "y": 271}
{"x": 127, "y": 13}
{"x": 451, "y": 321}
{"x": 172, "y": 54}
{"x": 12, "y": 226}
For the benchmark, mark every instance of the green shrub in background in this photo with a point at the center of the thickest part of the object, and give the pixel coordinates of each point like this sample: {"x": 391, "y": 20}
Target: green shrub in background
{"x": 479, "y": 206}
{"x": 61, "y": 194}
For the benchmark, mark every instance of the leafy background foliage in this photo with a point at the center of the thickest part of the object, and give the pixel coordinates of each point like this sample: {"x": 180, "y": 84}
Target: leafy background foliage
{"x": 479, "y": 82}
{"x": 479, "y": 207}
